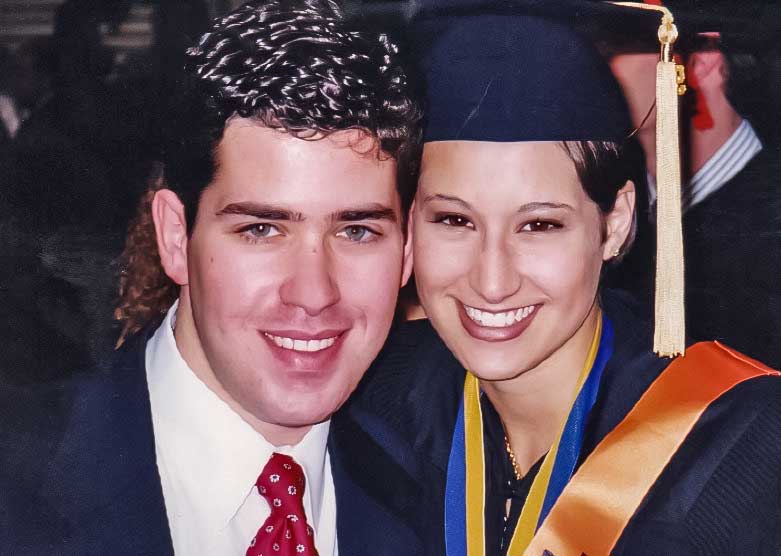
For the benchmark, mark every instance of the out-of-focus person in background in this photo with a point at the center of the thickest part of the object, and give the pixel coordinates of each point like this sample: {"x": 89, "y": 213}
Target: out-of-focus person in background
{"x": 84, "y": 134}
{"x": 25, "y": 83}
{"x": 10, "y": 118}
{"x": 731, "y": 167}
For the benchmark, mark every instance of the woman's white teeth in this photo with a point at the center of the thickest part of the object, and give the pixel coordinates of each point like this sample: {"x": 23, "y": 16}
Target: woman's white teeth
{"x": 301, "y": 345}
{"x": 498, "y": 320}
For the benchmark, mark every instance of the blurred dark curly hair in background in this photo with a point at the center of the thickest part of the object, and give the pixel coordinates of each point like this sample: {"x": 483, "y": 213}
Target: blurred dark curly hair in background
{"x": 300, "y": 66}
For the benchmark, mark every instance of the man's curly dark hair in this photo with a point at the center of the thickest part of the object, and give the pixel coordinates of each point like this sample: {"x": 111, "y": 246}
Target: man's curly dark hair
{"x": 297, "y": 65}
{"x": 300, "y": 66}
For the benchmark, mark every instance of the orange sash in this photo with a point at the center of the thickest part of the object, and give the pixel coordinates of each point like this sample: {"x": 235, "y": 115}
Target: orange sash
{"x": 605, "y": 492}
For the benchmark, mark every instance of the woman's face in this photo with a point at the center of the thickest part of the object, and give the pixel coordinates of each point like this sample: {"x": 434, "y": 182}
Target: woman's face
{"x": 508, "y": 249}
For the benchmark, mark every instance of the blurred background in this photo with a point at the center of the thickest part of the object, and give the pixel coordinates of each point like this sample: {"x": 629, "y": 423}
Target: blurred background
{"x": 83, "y": 87}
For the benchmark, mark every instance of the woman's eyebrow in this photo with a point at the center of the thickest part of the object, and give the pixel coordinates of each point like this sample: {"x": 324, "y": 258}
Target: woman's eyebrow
{"x": 441, "y": 197}
{"x": 530, "y": 207}
{"x": 527, "y": 207}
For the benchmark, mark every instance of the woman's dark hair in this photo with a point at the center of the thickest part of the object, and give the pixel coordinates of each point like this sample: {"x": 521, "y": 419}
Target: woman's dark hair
{"x": 299, "y": 66}
{"x": 603, "y": 168}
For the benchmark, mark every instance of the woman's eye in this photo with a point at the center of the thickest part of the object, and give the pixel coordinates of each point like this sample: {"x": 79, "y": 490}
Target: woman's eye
{"x": 540, "y": 226}
{"x": 358, "y": 234}
{"x": 260, "y": 231}
{"x": 454, "y": 220}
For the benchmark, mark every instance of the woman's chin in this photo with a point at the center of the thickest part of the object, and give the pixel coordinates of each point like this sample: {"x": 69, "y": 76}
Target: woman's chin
{"x": 490, "y": 366}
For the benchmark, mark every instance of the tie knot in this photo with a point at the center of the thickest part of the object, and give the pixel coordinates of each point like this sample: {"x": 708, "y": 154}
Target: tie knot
{"x": 282, "y": 483}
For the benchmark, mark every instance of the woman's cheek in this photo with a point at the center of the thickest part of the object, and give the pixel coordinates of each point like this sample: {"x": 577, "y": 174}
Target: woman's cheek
{"x": 439, "y": 264}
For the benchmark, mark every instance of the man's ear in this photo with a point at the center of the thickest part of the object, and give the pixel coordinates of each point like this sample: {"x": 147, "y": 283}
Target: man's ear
{"x": 619, "y": 223}
{"x": 408, "y": 258}
{"x": 706, "y": 70}
{"x": 171, "y": 234}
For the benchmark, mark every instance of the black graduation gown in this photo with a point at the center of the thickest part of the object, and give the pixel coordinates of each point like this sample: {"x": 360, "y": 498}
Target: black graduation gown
{"x": 719, "y": 495}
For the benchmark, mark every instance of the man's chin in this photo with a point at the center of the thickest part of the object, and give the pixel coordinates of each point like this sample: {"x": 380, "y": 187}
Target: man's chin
{"x": 300, "y": 414}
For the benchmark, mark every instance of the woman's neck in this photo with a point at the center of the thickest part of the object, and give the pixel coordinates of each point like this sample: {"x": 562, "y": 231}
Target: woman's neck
{"x": 534, "y": 405}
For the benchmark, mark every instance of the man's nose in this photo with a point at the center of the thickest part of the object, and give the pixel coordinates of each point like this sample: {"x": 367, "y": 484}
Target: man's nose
{"x": 493, "y": 275}
{"x": 310, "y": 284}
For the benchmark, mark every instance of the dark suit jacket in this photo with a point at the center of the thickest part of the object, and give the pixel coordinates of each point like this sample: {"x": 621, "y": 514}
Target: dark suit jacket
{"x": 78, "y": 473}
{"x": 720, "y": 494}
{"x": 732, "y": 243}
{"x": 732, "y": 248}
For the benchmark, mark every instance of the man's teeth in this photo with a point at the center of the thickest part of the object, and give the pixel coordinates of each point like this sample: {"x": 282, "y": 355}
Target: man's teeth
{"x": 498, "y": 320}
{"x": 301, "y": 345}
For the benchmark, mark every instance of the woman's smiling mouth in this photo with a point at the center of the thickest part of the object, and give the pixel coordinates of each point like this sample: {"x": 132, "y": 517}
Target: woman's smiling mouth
{"x": 500, "y": 319}
{"x": 497, "y": 326}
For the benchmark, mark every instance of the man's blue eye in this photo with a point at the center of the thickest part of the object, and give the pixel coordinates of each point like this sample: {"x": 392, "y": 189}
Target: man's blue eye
{"x": 357, "y": 234}
{"x": 261, "y": 231}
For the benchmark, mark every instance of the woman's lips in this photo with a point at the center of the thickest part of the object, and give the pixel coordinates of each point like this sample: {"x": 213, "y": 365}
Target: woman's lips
{"x": 497, "y": 326}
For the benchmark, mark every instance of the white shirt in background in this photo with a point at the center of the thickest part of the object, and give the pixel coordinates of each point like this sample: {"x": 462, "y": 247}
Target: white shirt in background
{"x": 737, "y": 151}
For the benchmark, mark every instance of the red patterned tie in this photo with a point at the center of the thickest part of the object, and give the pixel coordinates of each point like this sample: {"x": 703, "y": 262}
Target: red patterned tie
{"x": 285, "y": 532}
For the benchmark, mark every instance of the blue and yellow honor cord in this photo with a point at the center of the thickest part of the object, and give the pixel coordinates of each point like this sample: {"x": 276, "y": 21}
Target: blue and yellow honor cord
{"x": 465, "y": 490}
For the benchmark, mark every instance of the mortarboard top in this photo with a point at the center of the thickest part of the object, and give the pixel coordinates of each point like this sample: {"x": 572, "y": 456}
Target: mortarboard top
{"x": 745, "y": 25}
{"x": 494, "y": 77}
{"x": 519, "y": 71}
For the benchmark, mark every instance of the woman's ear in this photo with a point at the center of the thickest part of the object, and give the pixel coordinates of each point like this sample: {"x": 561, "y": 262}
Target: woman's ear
{"x": 408, "y": 257}
{"x": 619, "y": 223}
{"x": 171, "y": 233}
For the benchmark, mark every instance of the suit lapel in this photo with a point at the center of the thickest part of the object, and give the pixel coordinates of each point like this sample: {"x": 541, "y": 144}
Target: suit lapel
{"x": 380, "y": 490}
{"x": 107, "y": 458}
{"x": 390, "y": 446}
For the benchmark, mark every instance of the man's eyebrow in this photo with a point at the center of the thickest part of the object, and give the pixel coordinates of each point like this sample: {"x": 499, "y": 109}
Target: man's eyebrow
{"x": 441, "y": 197}
{"x": 530, "y": 207}
{"x": 369, "y": 212}
{"x": 260, "y": 211}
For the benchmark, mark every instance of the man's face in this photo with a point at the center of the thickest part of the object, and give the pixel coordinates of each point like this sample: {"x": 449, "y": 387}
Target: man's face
{"x": 294, "y": 265}
{"x": 636, "y": 73}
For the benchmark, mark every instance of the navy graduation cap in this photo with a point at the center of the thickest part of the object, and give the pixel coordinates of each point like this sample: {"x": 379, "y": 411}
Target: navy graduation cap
{"x": 518, "y": 78}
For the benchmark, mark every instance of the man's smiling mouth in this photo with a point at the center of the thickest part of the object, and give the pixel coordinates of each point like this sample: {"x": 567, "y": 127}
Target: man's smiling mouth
{"x": 301, "y": 345}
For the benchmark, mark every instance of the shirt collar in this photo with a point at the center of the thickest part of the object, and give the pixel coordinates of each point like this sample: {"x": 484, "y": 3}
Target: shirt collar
{"x": 211, "y": 452}
{"x": 726, "y": 162}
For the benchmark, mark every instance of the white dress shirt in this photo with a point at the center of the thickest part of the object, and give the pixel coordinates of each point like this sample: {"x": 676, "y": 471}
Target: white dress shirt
{"x": 209, "y": 459}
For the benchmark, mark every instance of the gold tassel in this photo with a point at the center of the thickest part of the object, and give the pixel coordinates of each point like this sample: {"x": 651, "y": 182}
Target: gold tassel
{"x": 669, "y": 323}
{"x": 670, "y": 319}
